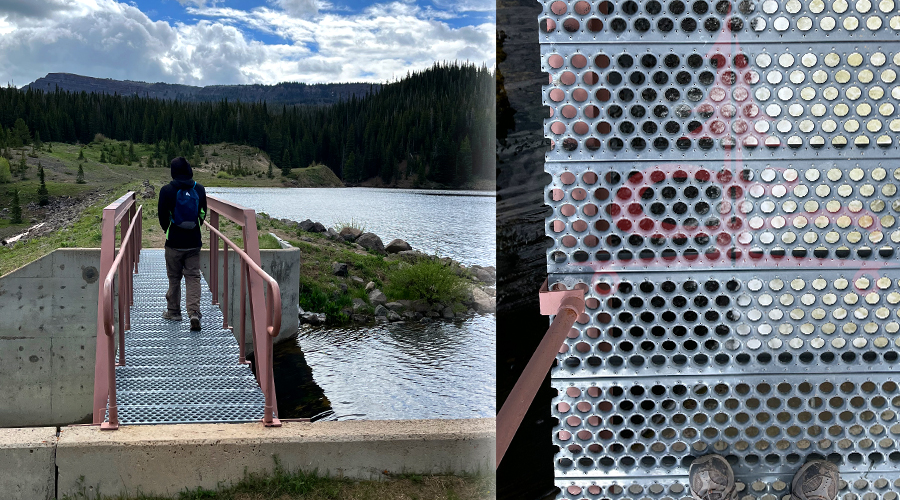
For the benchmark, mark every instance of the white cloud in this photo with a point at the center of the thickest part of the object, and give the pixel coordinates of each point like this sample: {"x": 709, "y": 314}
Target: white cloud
{"x": 297, "y": 8}
{"x": 109, "y": 39}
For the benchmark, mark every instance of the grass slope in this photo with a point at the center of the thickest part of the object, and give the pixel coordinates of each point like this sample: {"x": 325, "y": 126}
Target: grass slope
{"x": 60, "y": 162}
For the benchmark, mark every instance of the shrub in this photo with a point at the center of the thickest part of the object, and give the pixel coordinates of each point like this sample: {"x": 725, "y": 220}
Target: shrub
{"x": 5, "y": 175}
{"x": 427, "y": 279}
{"x": 223, "y": 175}
{"x": 99, "y": 138}
{"x": 354, "y": 224}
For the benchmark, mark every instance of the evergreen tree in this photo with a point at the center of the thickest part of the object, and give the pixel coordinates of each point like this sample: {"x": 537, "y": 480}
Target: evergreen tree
{"x": 49, "y": 147}
{"x": 23, "y": 165}
{"x": 102, "y": 156}
{"x": 270, "y": 175}
{"x": 79, "y": 179}
{"x": 132, "y": 157}
{"x": 352, "y": 171}
{"x": 43, "y": 194}
{"x": 464, "y": 162}
{"x": 5, "y": 174}
{"x": 286, "y": 163}
{"x": 81, "y": 154}
{"x": 16, "y": 208}
{"x": 37, "y": 140}
{"x": 21, "y": 134}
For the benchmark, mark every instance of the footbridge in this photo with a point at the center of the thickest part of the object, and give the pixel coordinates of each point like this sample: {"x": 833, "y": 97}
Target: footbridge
{"x": 150, "y": 370}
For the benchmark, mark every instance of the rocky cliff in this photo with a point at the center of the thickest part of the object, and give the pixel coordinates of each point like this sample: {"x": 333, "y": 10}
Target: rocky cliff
{"x": 281, "y": 93}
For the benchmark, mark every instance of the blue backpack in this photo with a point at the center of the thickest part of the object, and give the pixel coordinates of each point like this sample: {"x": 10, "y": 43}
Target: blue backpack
{"x": 187, "y": 208}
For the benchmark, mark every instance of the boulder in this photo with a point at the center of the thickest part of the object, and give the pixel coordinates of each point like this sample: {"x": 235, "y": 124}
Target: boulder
{"x": 377, "y": 297}
{"x": 421, "y": 306}
{"x": 381, "y": 310}
{"x": 483, "y": 302}
{"x": 370, "y": 286}
{"x": 339, "y": 268}
{"x": 147, "y": 190}
{"x": 396, "y": 246}
{"x": 306, "y": 225}
{"x": 411, "y": 255}
{"x": 410, "y": 315}
{"x": 491, "y": 291}
{"x": 359, "y": 318}
{"x": 448, "y": 313}
{"x": 357, "y": 280}
{"x": 332, "y": 234}
{"x": 433, "y": 314}
{"x": 350, "y": 233}
{"x": 318, "y": 227}
{"x": 358, "y": 304}
{"x": 393, "y": 316}
{"x": 482, "y": 274}
{"x": 395, "y": 306}
{"x": 370, "y": 241}
{"x": 313, "y": 318}
{"x": 425, "y": 320}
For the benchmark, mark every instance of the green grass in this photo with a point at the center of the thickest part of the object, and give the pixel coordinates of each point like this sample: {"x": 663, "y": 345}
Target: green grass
{"x": 298, "y": 485}
{"x": 353, "y": 224}
{"x": 315, "y": 175}
{"x": 426, "y": 279}
{"x": 267, "y": 241}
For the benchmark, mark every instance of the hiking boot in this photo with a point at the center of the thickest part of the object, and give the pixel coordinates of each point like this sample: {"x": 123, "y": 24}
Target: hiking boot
{"x": 172, "y": 316}
{"x": 195, "y": 322}
{"x": 816, "y": 480}
{"x": 711, "y": 478}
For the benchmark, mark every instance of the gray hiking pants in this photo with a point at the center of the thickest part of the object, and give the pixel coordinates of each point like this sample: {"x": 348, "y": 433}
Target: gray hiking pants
{"x": 183, "y": 263}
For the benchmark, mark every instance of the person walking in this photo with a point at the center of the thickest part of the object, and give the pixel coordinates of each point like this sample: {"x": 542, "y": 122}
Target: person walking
{"x": 181, "y": 210}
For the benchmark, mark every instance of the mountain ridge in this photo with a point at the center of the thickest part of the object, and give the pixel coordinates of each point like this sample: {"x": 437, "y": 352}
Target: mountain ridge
{"x": 286, "y": 93}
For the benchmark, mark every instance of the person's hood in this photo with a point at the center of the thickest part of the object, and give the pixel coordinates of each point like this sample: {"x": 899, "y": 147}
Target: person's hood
{"x": 181, "y": 170}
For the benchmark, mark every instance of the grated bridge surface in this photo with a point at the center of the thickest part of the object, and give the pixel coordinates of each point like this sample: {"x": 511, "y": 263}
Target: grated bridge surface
{"x": 173, "y": 375}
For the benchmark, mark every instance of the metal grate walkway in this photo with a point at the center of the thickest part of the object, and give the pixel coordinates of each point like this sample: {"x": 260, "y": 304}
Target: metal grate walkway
{"x": 173, "y": 375}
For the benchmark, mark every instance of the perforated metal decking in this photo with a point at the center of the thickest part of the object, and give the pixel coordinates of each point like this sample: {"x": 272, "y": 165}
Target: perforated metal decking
{"x": 173, "y": 375}
{"x": 724, "y": 188}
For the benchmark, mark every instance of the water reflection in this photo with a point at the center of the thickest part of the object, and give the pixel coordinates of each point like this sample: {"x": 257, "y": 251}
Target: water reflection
{"x": 403, "y": 371}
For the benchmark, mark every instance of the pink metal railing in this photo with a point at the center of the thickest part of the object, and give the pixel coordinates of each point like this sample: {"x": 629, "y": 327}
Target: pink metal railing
{"x": 252, "y": 288}
{"x": 127, "y": 215}
{"x": 567, "y": 305}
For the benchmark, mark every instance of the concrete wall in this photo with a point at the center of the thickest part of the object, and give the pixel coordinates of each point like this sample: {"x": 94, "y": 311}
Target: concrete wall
{"x": 166, "y": 459}
{"x": 28, "y": 463}
{"x": 47, "y": 339}
{"x": 284, "y": 266}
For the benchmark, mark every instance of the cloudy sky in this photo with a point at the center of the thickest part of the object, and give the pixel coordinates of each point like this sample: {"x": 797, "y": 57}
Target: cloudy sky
{"x": 208, "y": 42}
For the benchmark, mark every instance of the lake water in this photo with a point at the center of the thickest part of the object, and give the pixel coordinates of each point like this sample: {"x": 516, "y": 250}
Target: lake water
{"x": 397, "y": 371}
{"x": 456, "y": 224}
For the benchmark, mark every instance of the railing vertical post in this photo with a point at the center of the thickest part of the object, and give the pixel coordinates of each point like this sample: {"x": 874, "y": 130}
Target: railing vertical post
{"x": 102, "y": 360}
{"x": 214, "y": 256}
{"x": 225, "y": 288}
{"x": 244, "y": 271}
{"x": 262, "y": 344}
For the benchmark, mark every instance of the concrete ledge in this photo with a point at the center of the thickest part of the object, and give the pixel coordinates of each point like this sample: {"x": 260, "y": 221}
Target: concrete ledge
{"x": 27, "y": 463}
{"x": 166, "y": 459}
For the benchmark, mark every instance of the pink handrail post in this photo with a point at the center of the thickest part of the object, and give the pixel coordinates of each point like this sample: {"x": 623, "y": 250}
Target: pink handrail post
{"x": 567, "y": 307}
{"x": 110, "y": 265}
{"x": 242, "y": 358}
{"x": 225, "y": 287}
{"x": 265, "y": 315}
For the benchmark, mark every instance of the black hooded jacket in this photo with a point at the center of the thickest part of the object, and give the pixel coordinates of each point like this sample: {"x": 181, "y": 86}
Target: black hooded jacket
{"x": 182, "y": 178}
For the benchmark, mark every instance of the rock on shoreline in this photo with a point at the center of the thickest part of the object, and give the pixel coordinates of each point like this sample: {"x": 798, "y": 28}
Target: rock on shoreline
{"x": 481, "y": 295}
